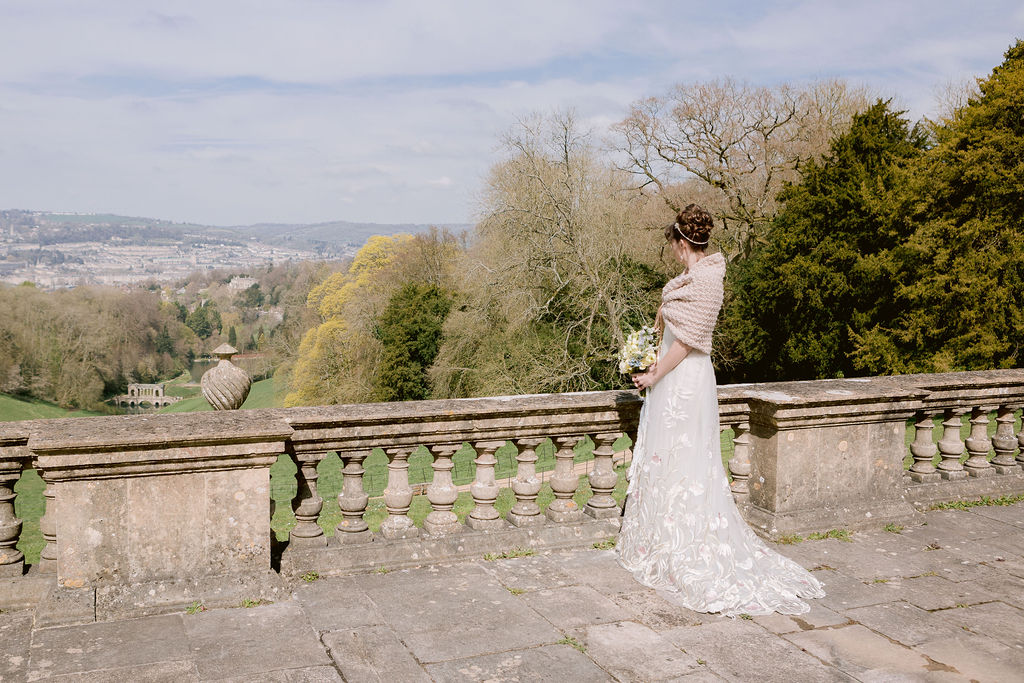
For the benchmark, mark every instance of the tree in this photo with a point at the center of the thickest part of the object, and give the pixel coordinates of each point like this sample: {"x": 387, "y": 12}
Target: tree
{"x": 199, "y": 322}
{"x": 962, "y": 273}
{"x": 250, "y": 298}
{"x": 802, "y": 302}
{"x": 410, "y": 331}
{"x": 744, "y": 142}
{"x": 337, "y": 358}
{"x": 232, "y": 336}
{"x": 558, "y": 267}
{"x": 164, "y": 343}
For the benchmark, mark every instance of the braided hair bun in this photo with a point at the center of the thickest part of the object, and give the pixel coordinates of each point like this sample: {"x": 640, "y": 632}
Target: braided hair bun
{"x": 692, "y": 224}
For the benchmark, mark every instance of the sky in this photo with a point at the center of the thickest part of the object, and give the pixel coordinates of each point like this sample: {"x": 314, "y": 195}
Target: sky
{"x": 228, "y": 112}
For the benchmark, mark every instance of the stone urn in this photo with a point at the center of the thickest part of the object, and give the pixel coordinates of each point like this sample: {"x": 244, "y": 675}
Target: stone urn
{"x": 225, "y": 385}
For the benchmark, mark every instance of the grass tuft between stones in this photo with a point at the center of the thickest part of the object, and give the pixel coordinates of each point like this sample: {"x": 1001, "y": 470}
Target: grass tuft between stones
{"x": 509, "y": 554}
{"x": 984, "y": 501}
{"x": 569, "y": 640}
{"x": 254, "y": 603}
{"x": 838, "y": 534}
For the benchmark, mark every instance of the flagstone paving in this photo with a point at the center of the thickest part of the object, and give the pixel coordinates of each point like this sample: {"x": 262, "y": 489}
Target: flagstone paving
{"x": 938, "y": 601}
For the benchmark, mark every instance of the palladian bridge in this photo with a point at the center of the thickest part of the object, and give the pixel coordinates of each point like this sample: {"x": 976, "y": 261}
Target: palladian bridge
{"x": 145, "y": 396}
{"x": 155, "y": 523}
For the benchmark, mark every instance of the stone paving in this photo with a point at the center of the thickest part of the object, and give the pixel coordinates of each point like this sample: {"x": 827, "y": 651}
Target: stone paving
{"x": 942, "y": 601}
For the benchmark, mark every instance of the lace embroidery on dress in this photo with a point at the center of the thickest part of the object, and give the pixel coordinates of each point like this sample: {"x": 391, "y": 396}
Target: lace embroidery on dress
{"x": 682, "y": 532}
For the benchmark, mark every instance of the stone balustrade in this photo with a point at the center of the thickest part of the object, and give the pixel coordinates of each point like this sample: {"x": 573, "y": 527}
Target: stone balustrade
{"x": 148, "y": 513}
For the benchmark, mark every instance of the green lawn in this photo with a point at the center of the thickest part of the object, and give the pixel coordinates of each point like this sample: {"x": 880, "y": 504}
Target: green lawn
{"x": 182, "y": 385}
{"x": 13, "y": 409}
{"x": 262, "y": 395}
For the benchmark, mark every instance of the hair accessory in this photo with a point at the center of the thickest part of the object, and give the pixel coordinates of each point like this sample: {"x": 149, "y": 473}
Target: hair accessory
{"x": 687, "y": 238}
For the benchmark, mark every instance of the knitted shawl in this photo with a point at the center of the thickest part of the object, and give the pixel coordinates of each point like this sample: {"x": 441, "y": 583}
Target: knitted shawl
{"x": 690, "y": 302}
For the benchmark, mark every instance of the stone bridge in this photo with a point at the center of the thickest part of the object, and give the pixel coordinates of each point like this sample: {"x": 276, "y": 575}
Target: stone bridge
{"x": 145, "y": 395}
{"x": 149, "y": 518}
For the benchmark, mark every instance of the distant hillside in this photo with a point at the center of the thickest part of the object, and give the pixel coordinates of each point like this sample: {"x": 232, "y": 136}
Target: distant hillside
{"x": 334, "y": 234}
{"x": 46, "y": 227}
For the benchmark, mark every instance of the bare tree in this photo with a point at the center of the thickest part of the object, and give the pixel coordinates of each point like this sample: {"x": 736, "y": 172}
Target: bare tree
{"x": 744, "y": 142}
{"x": 547, "y": 284}
{"x": 953, "y": 96}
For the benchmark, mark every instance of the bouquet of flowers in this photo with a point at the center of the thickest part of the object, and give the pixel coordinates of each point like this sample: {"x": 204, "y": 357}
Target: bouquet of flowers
{"x": 639, "y": 352}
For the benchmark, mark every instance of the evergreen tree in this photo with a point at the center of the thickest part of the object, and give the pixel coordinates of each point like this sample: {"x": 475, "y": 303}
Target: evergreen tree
{"x": 214, "y": 317}
{"x": 164, "y": 343}
{"x": 199, "y": 322}
{"x": 410, "y": 332}
{"x": 962, "y": 277}
{"x": 232, "y": 337}
{"x": 800, "y": 303}
{"x": 250, "y": 298}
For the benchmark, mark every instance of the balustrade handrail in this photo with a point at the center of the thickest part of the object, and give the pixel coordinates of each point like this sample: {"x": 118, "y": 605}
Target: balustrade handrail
{"x": 360, "y": 427}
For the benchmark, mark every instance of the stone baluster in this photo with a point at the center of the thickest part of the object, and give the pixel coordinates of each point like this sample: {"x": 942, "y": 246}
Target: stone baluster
{"x": 978, "y": 445}
{"x": 739, "y": 463}
{"x": 564, "y": 483}
{"x": 527, "y": 485}
{"x": 485, "y": 489}
{"x": 924, "y": 449}
{"x": 398, "y": 496}
{"x": 307, "y": 503}
{"x": 352, "y": 500}
{"x": 1005, "y": 442}
{"x": 950, "y": 445}
{"x": 48, "y": 528}
{"x": 1020, "y": 444}
{"x": 12, "y": 561}
{"x": 603, "y": 479}
{"x": 442, "y": 493}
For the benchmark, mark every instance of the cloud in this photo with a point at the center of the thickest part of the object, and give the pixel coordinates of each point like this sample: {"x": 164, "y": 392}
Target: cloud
{"x": 235, "y": 112}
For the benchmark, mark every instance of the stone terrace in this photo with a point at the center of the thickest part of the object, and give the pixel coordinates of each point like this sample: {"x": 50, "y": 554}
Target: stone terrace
{"x": 942, "y": 600}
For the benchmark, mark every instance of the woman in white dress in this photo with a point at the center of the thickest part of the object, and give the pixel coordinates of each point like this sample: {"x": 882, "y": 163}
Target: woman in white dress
{"x": 682, "y": 533}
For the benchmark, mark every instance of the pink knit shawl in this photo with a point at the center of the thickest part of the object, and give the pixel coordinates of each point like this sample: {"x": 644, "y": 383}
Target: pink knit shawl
{"x": 690, "y": 302}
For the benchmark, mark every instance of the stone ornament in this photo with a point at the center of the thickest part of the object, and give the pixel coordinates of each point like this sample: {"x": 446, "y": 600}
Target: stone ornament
{"x": 225, "y": 385}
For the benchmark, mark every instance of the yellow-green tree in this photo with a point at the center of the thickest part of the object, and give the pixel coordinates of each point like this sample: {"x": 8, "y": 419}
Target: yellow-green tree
{"x": 337, "y": 358}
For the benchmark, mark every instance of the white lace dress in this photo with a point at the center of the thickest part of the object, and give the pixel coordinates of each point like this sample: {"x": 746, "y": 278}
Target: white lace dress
{"x": 682, "y": 533}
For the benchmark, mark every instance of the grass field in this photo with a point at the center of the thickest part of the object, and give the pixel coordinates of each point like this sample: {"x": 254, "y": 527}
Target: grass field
{"x": 13, "y": 409}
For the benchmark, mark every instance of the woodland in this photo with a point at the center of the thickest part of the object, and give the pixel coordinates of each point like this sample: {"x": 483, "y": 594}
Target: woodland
{"x": 80, "y": 346}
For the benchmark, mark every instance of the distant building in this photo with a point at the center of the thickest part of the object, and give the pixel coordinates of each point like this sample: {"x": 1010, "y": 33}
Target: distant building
{"x": 10, "y": 267}
{"x": 240, "y": 284}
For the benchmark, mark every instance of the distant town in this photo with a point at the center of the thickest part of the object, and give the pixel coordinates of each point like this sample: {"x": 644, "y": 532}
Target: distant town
{"x": 61, "y": 250}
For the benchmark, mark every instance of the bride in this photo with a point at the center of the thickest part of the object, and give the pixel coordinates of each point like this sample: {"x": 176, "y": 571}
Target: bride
{"x": 682, "y": 533}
